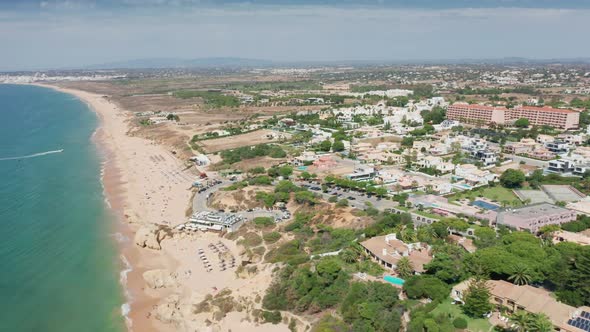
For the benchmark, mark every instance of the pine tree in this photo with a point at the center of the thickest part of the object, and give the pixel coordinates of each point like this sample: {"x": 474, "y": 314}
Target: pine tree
{"x": 477, "y": 299}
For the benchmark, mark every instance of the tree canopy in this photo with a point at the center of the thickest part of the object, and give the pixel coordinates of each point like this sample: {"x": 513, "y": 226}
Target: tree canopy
{"x": 477, "y": 299}
{"x": 522, "y": 123}
{"x": 512, "y": 178}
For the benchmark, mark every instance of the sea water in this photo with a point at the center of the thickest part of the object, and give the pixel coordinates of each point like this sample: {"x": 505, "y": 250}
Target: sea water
{"x": 59, "y": 268}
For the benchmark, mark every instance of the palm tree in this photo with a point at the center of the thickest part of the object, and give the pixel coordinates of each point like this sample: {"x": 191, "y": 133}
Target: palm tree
{"x": 521, "y": 320}
{"x": 521, "y": 275}
{"x": 541, "y": 323}
{"x": 425, "y": 233}
{"x": 358, "y": 250}
{"x": 408, "y": 235}
{"x": 349, "y": 256}
{"x": 404, "y": 268}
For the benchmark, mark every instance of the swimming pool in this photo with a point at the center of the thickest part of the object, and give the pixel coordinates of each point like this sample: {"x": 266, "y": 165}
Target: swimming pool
{"x": 302, "y": 168}
{"x": 485, "y": 205}
{"x": 394, "y": 280}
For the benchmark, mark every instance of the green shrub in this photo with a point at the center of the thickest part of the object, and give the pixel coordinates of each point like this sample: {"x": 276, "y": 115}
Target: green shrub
{"x": 273, "y": 317}
{"x": 236, "y": 186}
{"x": 251, "y": 240}
{"x": 262, "y": 180}
{"x": 257, "y": 170}
{"x": 371, "y": 211}
{"x": 460, "y": 323}
{"x": 342, "y": 203}
{"x": 290, "y": 252}
{"x": 425, "y": 286}
{"x": 263, "y": 221}
{"x": 272, "y": 237}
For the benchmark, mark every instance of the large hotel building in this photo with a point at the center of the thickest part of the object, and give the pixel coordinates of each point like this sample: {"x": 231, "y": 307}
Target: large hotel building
{"x": 537, "y": 116}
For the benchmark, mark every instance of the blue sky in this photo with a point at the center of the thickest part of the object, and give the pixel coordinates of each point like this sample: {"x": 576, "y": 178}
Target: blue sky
{"x": 74, "y": 33}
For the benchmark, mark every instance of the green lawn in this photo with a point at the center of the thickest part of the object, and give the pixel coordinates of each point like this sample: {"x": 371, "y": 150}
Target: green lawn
{"x": 497, "y": 194}
{"x": 428, "y": 214}
{"x": 473, "y": 325}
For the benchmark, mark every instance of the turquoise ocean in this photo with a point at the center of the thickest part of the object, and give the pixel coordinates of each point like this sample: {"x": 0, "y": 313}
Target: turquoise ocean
{"x": 59, "y": 266}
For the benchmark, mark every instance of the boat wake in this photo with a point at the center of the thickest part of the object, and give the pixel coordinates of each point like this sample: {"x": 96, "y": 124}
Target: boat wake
{"x": 33, "y": 155}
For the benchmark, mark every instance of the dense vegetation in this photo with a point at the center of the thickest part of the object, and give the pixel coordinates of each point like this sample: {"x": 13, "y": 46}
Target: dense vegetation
{"x": 496, "y": 91}
{"x": 275, "y": 86}
{"x": 435, "y": 116}
{"x": 369, "y": 306}
{"x": 249, "y": 152}
{"x": 213, "y": 99}
{"x": 581, "y": 224}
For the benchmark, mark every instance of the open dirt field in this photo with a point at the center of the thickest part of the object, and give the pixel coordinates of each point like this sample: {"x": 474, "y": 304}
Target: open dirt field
{"x": 232, "y": 142}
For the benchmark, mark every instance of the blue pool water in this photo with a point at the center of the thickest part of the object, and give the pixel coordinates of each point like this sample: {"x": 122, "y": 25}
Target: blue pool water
{"x": 485, "y": 205}
{"x": 302, "y": 168}
{"x": 394, "y": 280}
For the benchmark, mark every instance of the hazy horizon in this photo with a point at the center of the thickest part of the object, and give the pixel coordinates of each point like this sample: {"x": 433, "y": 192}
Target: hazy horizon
{"x": 76, "y": 34}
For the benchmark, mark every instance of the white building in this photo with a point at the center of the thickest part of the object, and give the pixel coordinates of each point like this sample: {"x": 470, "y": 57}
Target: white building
{"x": 446, "y": 125}
{"x": 436, "y": 163}
{"x": 473, "y": 175}
{"x": 216, "y": 221}
{"x": 201, "y": 160}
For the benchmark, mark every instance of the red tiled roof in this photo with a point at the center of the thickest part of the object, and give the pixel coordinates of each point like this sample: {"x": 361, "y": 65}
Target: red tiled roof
{"x": 478, "y": 107}
{"x": 544, "y": 109}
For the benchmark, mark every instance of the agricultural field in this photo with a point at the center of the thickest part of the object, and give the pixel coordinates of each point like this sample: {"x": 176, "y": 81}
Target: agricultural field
{"x": 236, "y": 141}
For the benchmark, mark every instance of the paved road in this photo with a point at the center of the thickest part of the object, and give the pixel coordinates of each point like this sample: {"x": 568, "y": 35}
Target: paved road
{"x": 200, "y": 202}
{"x": 528, "y": 161}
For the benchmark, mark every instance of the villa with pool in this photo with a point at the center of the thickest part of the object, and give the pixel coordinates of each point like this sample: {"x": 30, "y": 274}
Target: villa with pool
{"x": 387, "y": 250}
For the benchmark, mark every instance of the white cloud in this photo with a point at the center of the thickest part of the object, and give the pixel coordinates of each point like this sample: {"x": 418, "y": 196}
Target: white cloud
{"x": 291, "y": 33}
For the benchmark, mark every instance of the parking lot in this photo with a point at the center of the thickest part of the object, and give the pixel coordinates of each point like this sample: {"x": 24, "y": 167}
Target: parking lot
{"x": 355, "y": 199}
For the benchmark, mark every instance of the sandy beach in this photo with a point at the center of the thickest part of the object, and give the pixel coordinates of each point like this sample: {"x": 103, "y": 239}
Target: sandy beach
{"x": 146, "y": 185}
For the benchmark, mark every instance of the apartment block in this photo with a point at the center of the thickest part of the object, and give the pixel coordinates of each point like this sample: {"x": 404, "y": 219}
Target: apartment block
{"x": 476, "y": 113}
{"x": 538, "y": 116}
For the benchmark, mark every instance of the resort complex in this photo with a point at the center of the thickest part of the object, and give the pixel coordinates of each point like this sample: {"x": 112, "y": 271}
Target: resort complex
{"x": 515, "y": 298}
{"x": 538, "y": 116}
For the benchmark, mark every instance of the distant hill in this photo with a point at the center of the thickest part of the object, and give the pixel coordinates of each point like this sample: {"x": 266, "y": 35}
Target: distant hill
{"x": 183, "y": 63}
{"x": 234, "y": 62}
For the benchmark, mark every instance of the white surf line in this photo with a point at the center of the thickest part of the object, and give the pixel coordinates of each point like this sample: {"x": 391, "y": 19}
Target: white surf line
{"x": 33, "y": 155}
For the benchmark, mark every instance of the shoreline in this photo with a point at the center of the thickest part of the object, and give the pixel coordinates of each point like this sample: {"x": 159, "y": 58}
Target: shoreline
{"x": 112, "y": 126}
{"x": 147, "y": 190}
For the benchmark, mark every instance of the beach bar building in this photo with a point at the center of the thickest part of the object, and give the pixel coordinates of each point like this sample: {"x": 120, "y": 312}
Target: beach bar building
{"x": 216, "y": 221}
